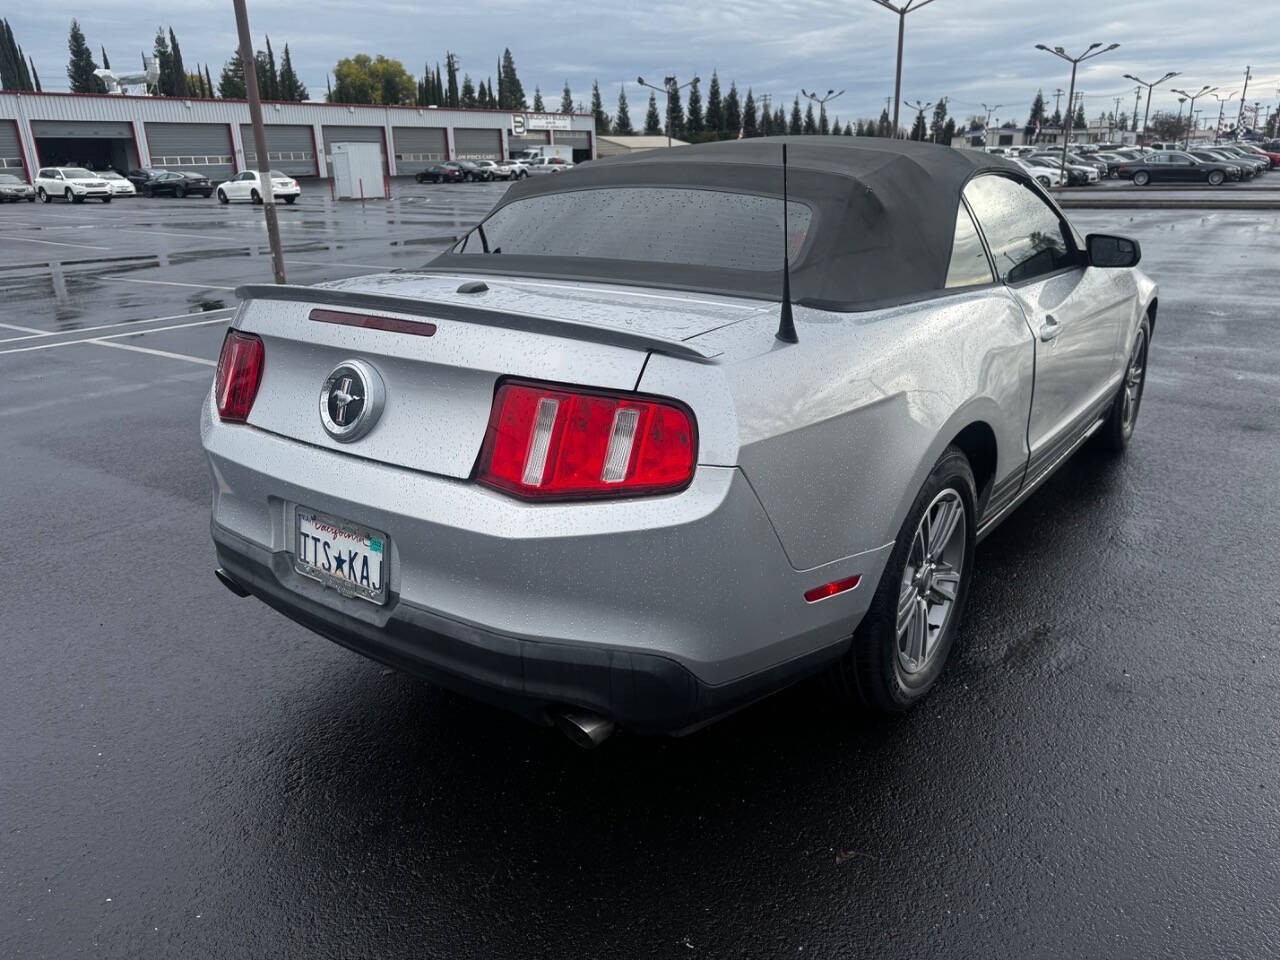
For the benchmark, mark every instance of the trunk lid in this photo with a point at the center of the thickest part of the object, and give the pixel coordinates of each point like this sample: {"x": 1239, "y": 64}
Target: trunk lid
{"x": 439, "y": 385}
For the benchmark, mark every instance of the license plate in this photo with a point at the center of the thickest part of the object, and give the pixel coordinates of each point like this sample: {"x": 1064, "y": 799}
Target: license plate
{"x": 340, "y": 554}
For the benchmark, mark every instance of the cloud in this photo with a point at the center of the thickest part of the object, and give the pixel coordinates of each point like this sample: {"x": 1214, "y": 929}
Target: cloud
{"x": 973, "y": 51}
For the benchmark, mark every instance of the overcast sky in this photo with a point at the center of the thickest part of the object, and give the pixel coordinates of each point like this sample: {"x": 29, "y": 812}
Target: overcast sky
{"x": 973, "y": 51}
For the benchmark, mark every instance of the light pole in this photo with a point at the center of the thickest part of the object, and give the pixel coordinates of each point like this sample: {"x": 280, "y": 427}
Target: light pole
{"x": 1095, "y": 50}
{"x": 1178, "y": 128}
{"x": 909, "y": 7}
{"x": 919, "y": 107}
{"x": 821, "y": 101}
{"x": 669, "y": 86}
{"x": 1154, "y": 83}
{"x": 986, "y": 127}
{"x": 1191, "y": 110}
{"x": 1222, "y": 102}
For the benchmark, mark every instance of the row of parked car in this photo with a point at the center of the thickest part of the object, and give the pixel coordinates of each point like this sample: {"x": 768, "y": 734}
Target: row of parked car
{"x": 485, "y": 171}
{"x": 76, "y": 185}
{"x": 1214, "y": 164}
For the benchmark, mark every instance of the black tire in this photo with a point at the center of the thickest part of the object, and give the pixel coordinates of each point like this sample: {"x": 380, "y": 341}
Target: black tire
{"x": 289, "y": 200}
{"x": 872, "y": 672}
{"x": 222, "y": 197}
{"x": 179, "y": 191}
{"x": 1141, "y": 178}
{"x": 106, "y": 199}
{"x": 1216, "y": 177}
{"x": 148, "y": 192}
{"x": 1117, "y": 430}
{"x": 44, "y": 197}
{"x": 1043, "y": 181}
{"x": 255, "y": 197}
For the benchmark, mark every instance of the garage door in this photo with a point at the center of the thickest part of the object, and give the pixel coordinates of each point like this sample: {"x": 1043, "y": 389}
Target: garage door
{"x": 334, "y": 135}
{"x": 416, "y": 147}
{"x": 10, "y": 150}
{"x": 290, "y": 149}
{"x": 82, "y": 129}
{"x": 532, "y": 138}
{"x": 198, "y": 147}
{"x": 477, "y": 144}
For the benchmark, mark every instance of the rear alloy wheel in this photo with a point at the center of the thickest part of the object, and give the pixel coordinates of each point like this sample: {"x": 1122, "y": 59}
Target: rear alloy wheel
{"x": 902, "y": 644}
{"x": 1141, "y": 178}
{"x": 179, "y": 191}
{"x": 44, "y": 197}
{"x": 222, "y": 197}
{"x": 1216, "y": 177}
{"x": 1044, "y": 182}
{"x": 1123, "y": 416}
{"x": 255, "y": 196}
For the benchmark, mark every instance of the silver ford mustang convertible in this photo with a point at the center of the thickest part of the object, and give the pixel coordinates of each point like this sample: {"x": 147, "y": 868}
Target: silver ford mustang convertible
{"x": 663, "y": 435}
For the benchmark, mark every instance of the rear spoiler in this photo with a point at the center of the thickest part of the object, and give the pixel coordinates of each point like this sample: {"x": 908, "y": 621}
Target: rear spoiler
{"x": 438, "y": 310}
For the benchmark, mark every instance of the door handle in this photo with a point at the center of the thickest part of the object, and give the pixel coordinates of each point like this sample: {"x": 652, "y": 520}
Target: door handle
{"x": 1050, "y": 328}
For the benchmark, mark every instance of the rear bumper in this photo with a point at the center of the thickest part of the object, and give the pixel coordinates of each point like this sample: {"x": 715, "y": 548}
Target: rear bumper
{"x": 660, "y": 613}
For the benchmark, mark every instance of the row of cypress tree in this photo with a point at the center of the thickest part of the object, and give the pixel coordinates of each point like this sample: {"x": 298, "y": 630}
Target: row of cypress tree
{"x": 17, "y": 70}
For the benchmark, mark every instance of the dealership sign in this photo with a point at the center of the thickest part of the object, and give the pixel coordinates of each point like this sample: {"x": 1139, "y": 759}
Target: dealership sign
{"x": 541, "y": 121}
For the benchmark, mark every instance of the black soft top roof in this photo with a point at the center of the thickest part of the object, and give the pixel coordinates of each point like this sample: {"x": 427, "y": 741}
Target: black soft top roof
{"x": 884, "y": 215}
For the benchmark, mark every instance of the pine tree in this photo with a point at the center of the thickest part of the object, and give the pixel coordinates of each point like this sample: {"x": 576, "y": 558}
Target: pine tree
{"x": 231, "y": 80}
{"x": 675, "y": 111}
{"x": 12, "y": 66}
{"x": 1036, "y": 117}
{"x": 1056, "y": 119}
{"x": 824, "y": 127}
{"x": 622, "y": 122}
{"x": 164, "y": 64}
{"x": 1079, "y": 122}
{"x": 106, "y": 62}
{"x": 810, "y": 124}
{"x": 538, "y": 106}
{"x": 597, "y": 109}
{"x": 512, "y": 92}
{"x": 884, "y": 127}
{"x": 693, "y": 119}
{"x": 467, "y": 96}
{"x": 848, "y": 129}
{"x": 24, "y": 77}
{"x": 797, "y": 119}
{"x": 749, "y": 128}
{"x": 439, "y": 94}
{"x": 80, "y": 66}
{"x": 732, "y": 112}
{"x": 35, "y": 77}
{"x": 714, "y": 121}
{"x": 178, "y": 71}
{"x": 291, "y": 88}
{"x": 780, "y": 121}
{"x": 266, "y": 78}
{"x": 949, "y": 131}
{"x": 653, "y": 119}
{"x": 940, "y": 122}
{"x": 919, "y": 130}
{"x": 566, "y": 99}
{"x": 451, "y": 96}
{"x": 273, "y": 75}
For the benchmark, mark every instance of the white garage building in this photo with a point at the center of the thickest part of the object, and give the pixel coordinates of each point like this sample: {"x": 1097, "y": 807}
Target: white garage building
{"x": 214, "y": 137}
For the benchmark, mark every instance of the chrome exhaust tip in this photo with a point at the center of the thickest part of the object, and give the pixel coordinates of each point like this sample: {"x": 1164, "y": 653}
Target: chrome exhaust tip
{"x": 230, "y": 582}
{"x": 587, "y": 730}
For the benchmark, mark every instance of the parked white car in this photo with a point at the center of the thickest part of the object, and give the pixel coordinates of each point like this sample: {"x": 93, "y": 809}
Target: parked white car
{"x": 120, "y": 187}
{"x": 519, "y": 168}
{"x": 495, "y": 169}
{"x": 1046, "y": 176}
{"x": 72, "y": 184}
{"x": 540, "y": 165}
{"x": 247, "y": 186}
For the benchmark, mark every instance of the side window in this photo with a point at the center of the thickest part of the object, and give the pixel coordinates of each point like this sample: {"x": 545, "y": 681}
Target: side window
{"x": 1027, "y": 238}
{"x": 969, "y": 264}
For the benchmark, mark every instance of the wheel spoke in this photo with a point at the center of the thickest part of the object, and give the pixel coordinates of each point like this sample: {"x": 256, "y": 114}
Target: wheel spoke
{"x": 946, "y": 581}
{"x": 920, "y": 641}
{"x": 906, "y": 606}
{"x": 943, "y": 526}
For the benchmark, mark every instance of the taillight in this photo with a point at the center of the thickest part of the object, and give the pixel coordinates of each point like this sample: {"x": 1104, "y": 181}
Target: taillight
{"x": 546, "y": 442}
{"x": 239, "y": 373}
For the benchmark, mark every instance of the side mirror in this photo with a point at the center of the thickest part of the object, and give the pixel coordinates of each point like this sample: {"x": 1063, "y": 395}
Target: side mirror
{"x": 1108, "y": 251}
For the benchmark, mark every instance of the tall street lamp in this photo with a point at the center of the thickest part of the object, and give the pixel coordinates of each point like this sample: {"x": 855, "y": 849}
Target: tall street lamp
{"x": 821, "y": 101}
{"x": 669, "y": 87}
{"x": 986, "y": 129}
{"x": 919, "y": 107}
{"x": 909, "y": 7}
{"x": 1191, "y": 110}
{"x": 1222, "y": 102}
{"x": 1178, "y": 128}
{"x": 1154, "y": 83}
{"x": 1095, "y": 50}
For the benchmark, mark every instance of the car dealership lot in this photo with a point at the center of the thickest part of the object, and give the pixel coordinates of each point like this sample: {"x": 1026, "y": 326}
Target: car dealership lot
{"x": 188, "y": 774}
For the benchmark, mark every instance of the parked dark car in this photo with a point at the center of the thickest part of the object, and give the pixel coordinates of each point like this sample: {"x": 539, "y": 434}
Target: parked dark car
{"x": 1175, "y": 166}
{"x": 441, "y": 173}
{"x": 1244, "y": 170}
{"x": 1113, "y": 161}
{"x": 170, "y": 183}
{"x": 13, "y": 189}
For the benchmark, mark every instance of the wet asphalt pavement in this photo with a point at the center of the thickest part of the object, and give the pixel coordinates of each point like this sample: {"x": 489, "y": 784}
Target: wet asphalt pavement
{"x": 186, "y": 774}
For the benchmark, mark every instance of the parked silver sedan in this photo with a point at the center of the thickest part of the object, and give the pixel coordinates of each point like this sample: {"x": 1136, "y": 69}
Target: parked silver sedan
{"x": 655, "y": 440}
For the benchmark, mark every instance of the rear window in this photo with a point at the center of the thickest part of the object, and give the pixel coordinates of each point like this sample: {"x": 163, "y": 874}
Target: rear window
{"x": 711, "y": 228}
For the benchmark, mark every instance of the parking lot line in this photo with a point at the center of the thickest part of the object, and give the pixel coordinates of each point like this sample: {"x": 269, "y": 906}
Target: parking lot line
{"x": 37, "y": 334}
{"x": 100, "y": 342}
{"x": 97, "y": 341}
{"x": 53, "y": 243}
{"x": 169, "y": 283}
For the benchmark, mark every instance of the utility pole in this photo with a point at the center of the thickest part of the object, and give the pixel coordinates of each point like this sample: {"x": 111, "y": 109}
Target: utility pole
{"x": 1243, "y": 93}
{"x": 1154, "y": 83}
{"x": 986, "y": 127}
{"x": 1095, "y": 50}
{"x": 909, "y": 7}
{"x": 1137, "y": 102}
{"x": 259, "y": 139}
{"x": 1057, "y": 101}
{"x": 1191, "y": 110}
{"x": 1115, "y": 118}
{"x": 1222, "y": 102}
